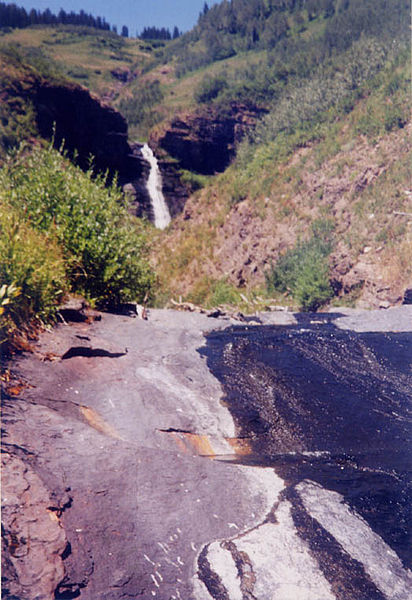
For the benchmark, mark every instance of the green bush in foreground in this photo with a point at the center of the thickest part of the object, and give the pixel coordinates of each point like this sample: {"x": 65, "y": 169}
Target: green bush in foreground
{"x": 32, "y": 273}
{"x": 304, "y": 270}
{"x": 104, "y": 248}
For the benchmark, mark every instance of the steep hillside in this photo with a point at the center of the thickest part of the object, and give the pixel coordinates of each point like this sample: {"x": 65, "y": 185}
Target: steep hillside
{"x": 351, "y": 170}
{"x": 62, "y": 229}
{"x": 254, "y": 51}
{"x": 100, "y": 60}
{"x": 36, "y": 103}
{"x": 289, "y": 118}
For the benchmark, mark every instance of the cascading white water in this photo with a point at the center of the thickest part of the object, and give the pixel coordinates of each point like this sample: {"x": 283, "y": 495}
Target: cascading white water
{"x": 154, "y": 187}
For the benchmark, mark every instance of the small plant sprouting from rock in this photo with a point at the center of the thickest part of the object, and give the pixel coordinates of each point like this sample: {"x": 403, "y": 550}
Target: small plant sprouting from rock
{"x": 303, "y": 270}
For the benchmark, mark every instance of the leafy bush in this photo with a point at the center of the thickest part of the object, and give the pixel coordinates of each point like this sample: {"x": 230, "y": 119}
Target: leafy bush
{"x": 32, "y": 272}
{"x": 304, "y": 271}
{"x": 224, "y": 293}
{"x": 210, "y": 88}
{"x": 195, "y": 181}
{"x": 103, "y": 246}
{"x": 308, "y": 100}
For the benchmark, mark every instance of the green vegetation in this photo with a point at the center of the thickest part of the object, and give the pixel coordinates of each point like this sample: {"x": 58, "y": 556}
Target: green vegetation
{"x": 303, "y": 271}
{"x": 15, "y": 16}
{"x": 32, "y": 272}
{"x": 312, "y": 111}
{"x": 330, "y": 75}
{"x": 75, "y": 233}
{"x": 93, "y": 57}
{"x": 139, "y": 108}
{"x": 297, "y": 59}
{"x": 333, "y": 75}
{"x": 298, "y": 35}
{"x": 214, "y": 292}
{"x": 210, "y": 88}
{"x": 17, "y": 115}
{"x": 159, "y": 33}
{"x": 195, "y": 181}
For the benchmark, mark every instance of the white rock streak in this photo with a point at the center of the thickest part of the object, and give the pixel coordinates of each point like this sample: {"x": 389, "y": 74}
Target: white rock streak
{"x": 210, "y": 416}
{"x": 225, "y": 566}
{"x": 357, "y": 538}
{"x": 282, "y": 563}
{"x": 154, "y": 187}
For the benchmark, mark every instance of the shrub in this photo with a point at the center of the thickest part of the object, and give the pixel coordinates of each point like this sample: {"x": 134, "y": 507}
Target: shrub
{"x": 304, "y": 271}
{"x": 32, "y": 272}
{"x": 224, "y": 293}
{"x": 103, "y": 246}
{"x": 210, "y": 88}
{"x": 195, "y": 181}
{"x": 213, "y": 292}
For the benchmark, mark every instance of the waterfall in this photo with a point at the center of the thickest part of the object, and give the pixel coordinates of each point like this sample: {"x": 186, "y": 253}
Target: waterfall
{"x": 154, "y": 187}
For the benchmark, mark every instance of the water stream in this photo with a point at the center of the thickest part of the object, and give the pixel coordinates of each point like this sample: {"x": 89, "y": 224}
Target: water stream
{"x": 326, "y": 406}
{"x": 154, "y": 187}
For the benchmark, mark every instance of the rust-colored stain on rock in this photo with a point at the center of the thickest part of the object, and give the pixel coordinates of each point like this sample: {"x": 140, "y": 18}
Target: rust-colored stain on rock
{"x": 98, "y": 423}
{"x": 193, "y": 442}
{"x": 201, "y": 443}
{"x": 241, "y": 446}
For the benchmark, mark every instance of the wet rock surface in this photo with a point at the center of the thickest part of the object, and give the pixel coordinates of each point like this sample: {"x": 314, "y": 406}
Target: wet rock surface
{"x": 174, "y": 189}
{"x": 149, "y": 488}
{"x": 330, "y": 411}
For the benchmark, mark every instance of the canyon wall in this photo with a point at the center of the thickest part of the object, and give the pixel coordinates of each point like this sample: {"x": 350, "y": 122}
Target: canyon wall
{"x": 205, "y": 141}
{"x": 85, "y": 125}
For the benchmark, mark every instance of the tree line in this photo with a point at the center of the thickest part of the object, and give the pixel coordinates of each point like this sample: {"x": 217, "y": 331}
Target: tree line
{"x": 235, "y": 26}
{"x": 156, "y": 33}
{"x": 12, "y": 15}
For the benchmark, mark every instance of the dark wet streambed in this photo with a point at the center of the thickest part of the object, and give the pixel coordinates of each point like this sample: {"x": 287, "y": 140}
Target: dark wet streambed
{"x": 326, "y": 405}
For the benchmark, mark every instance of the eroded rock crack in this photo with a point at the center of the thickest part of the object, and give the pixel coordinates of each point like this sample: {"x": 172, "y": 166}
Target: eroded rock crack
{"x": 210, "y": 578}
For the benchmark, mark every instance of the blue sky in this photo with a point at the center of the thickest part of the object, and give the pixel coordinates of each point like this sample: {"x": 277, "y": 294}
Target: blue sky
{"x": 136, "y": 14}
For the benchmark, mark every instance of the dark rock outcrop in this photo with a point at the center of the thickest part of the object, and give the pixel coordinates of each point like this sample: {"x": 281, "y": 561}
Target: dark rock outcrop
{"x": 135, "y": 186}
{"x": 206, "y": 141}
{"x": 407, "y": 297}
{"x": 175, "y": 190}
{"x": 33, "y": 105}
{"x": 87, "y": 127}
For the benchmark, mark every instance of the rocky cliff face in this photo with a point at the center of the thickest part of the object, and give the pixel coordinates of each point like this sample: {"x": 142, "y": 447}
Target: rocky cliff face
{"x": 175, "y": 190}
{"x": 87, "y": 126}
{"x": 39, "y": 105}
{"x": 255, "y": 231}
{"x": 206, "y": 141}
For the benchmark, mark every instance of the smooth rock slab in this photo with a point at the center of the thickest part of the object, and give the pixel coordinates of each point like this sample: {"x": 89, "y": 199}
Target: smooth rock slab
{"x": 129, "y": 441}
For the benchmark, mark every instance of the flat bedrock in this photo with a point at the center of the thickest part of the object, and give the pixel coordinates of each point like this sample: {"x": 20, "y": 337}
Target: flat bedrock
{"x": 110, "y": 489}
